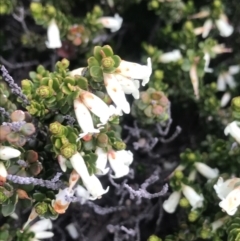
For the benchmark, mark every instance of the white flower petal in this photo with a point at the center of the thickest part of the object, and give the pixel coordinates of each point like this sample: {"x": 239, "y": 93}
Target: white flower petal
{"x": 41, "y": 225}
{"x": 194, "y": 80}
{"x": 224, "y": 27}
{"x": 43, "y": 235}
{"x": 223, "y": 188}
{"x": 231, "y": 202}
{"x": 207, "y": 59}
{"x": 195, "y": 199}
{"x": 31, "y": 217}
{"x": 207, "y": 26}
{"x": 77, "y": 71}
{"x": 119, "y": 162}
{"x": 72, "y": 230}
{"x": 116, "y": 93}
{"x": 206, "y": 171}
{"x": 54, "y": 40}
{"x": 3, "y": 172}
{"x": 84, "y": 118}
{"x": 230, "y": 81}
{"x": 73, "y": 179}
{"x": 7, "y": 152}
{"x": 101, "y": 161}
{"x": 79, "y": 165}
{"x": 112, "y": 23}
{"x": 234, "y": 130}
{"x": 172, "y": 56}
{"x": 135, "y": 71}
{"x": 62, "y": 163}
{"x": 171, "y": 203}
{"x": 225, "y": 99}
{"x": 129, "y": 86}
{"x": 234, "y": 69}
{"x": 94, "y": 187}
{"x": 97, "y": 106}
{"x": 81, "y": 192}
{"x": 221, "y": 83}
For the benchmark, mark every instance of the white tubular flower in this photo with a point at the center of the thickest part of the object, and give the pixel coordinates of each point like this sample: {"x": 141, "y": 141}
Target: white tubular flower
{"x": 234, "y": 130}
{"x": 31, "y": 217}
{"x": 61, "y": 202}
{"x": 223, "y": 26}
{"x": 3, "y": 173}
{"x": 229, "y": 193}
{"x": 223, "y": 188}
{"x": 77, "y": 71}
{"x": 54, "y": 40}
{"x": 7, "y": 152}
{"x": 119, "y": 162}
{"x": 39, "y": 228}
{"x": 62, "y": 163}
{"x": 116, "y": 93}
{"x": 206, "y": 171}
{"x": 101, "y": 161}
{"x": 97, "y": 106}
{"x": 129, "y": 86}
{"x": 220, "y": 49}
{"x": 207, "y": 59}
{"x": 207, "y": 26}
{"x": 225, "y": 99}
{"x": 135, "y": 71}
{"x": 79, "y": 165}
{"x": 171, "y": 203}
{"x": 172, "y": 56}
{"x": 84, "y": 118}
{"x": 219, "y": 223}
{"x": 195, "y": 200}
{"x": 81, "y": 192}
{"x": 112, "y": 23}
{"x": 194, "y": 79}
{"x": 226, "y": 78}
{"x": 94, "y": 187}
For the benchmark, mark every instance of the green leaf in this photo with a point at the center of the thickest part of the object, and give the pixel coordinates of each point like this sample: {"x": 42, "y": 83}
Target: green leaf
{"x": 89, "y": 145}
{"x": 32, "y": 75}
{"x": 65, "y": 109}
{"x": 96, "y": 53}
{"x": 92, "y": 62}
{"x": 39, "y": 197}
{"x": 58, "y": 143}
{"x": 107, "y": 50}
{"x": 4, "y": 235}
{"x": 9, "y": 207}
{"x": 117, "y": 60}
{"x": 66, "y": 90}
{"x": 96, "y": 72}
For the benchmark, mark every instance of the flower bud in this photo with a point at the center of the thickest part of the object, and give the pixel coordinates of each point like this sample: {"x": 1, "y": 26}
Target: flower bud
{"x": 184, "y": 203}
{"x": 119, "y": 145}
{"x": 3, "y": 196}
{"x": 193, "y": 216}
{"x": 17, "y": 115}
{"x": 107, "y": 62}
{"x": 68, "y": 150}
{"x": 22, "y": 194}
{"x": 154, "y": 238}
{"x": 44, "y": 92}
{"x": 178, "y": 174}
{"x": 205, "y": 233}
{"x": 36, "y": 7}
{"x": 56, "y": 129}
{"x": 41, "y": 208}
{"x": 102, "y": 140}
{"x": 235, "y": 105}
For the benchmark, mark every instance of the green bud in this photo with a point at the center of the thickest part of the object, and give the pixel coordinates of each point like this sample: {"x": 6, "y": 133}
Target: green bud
{"x": 68, "y": 150}
{"x": 205, "y": 233}
{"x": 188, "y": 25}
{"x": 184, "y": 203}
{"x": 102, "y": 140}
{"x": 191, "y": 157}
{"x": 56, "y": 128}
{"x": 65, "y": 63}
{"x": 36, "y": 7}
{"x": 107, "y": 63}
{"x": 193, "y": 216}
{"x": 178, "y": 174}
{"x": 3, "y": 195}
{"x": 41, "y": 208}
{"x": 51, "y": 10}
{"x": 158, "y": 74}
{"x": 119, "y": 145}
{"x": 154, "y": 238}
{"x": 217, "y": 3}
{"x": 27, "y": 85}
{"x": 44, "y": 92}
